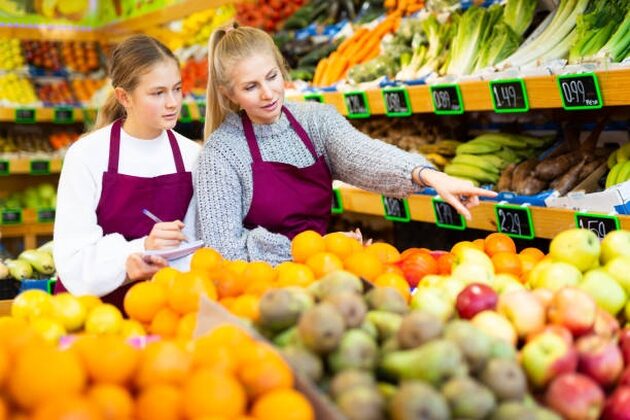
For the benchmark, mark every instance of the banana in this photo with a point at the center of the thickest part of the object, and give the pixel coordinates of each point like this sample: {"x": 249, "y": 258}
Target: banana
{"x": 477, "y": 147}
{"x": 536, "y": 142}
{"x": 624, "y": 173}
{"x": 612, "y": 175}
{"x": 612, "y": 159}
{"x": 502, "y": 139}
{"x": 437, "y": 159}
{"x": 472, "y": 172}
{"x": 4, "y": 271}
{"x": 624, "y": 153}
{"x": 508, "y": 155}
{"x": 41, "y": 261}
{"x": 495, "y": 160}
{"x": 476, "y": 160}
{"x": 47, "y": 247}
{"x": 19, "y": 269}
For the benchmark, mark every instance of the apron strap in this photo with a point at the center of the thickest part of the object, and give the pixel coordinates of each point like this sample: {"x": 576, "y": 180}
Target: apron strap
{"x": 250, "y": 136}
{"x": 297, "y": 127}
{"x": 114, "y": 147}
{"x": 177, "y": 154}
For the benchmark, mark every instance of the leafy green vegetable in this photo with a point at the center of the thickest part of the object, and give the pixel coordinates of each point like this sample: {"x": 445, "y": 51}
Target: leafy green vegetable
{"x": 474, "y": 27}
{"x": 595, "y": 27}
{"x": 502, "y": 42}
{"x": 618, "y": 46}
{"x": 518, "y": 14}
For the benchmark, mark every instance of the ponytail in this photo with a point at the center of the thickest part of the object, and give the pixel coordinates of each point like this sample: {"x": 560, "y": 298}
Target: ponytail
{"x": 109, "y": 112}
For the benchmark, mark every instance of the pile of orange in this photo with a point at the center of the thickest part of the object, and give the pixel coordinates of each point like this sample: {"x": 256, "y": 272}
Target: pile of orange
{"x": 224, "y": 374}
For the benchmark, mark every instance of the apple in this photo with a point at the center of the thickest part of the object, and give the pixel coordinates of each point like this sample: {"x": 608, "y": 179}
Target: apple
{"x": 579, "y": 247}
{"x": 573, "y": 308}
{"x": 606, "y": 325}
{"x": 619, "y": 269}
{"x": 504, "y": 283}
{"x": 532, "y": 276}
{"x": 599, "y": 358}
{"x": 434, "y": 301}
{"x": 452, "y": 287}
{"x": 474, "y": 298}
{"x": 624, "y": 344}
{"x": 624, "y": 378}
{"x": 553, "y": 329}
{"x": 524, "y": 310}
{"x": 544, "y": 295}
{"x": 575, "y": 397}
{"x": 617, "y": 406}
{"x": 431, "y": 280}
{"x": 607, "y": 293}
{"x": 614, "y": 244}
{"x": 495, "y": 325}
{"x": 467, "y": 254}
{"x": 556, "y": 275}
{"x": 472, "y": 272}
{"x": 547, "y": 355}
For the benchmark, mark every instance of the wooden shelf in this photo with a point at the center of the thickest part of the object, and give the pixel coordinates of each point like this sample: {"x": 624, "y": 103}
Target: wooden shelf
{"x": 47, "y": 114}
{"x": 542, "y": 91}
{"x": 548, "y": 222}
{"x": 44, "y": 33}
{"x": 28, "y": 231}
{"x": 23, "y": 166}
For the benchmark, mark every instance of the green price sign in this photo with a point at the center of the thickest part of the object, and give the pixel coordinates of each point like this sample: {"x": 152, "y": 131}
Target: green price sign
{"x": 600, "y": 224}
{"x": 25, "y": 115}
{"x": 397, "y": 102}
{"x": 314, "y": 97}
{"x": 580, "y": 91}
{"x": 337, "y": 204}
{"x": 509, "y": 96}
{"x": 357, "y": 104}
{"x": 11, "y": 217}
{"x": 447, "y": 99}
{"x": 201, "y": 108}
{"x": 63, "y": 115}
{"x": 515, "y": 221}
{"x": 184, "y": 114}
{"x": 396, "y": 209}
{"x": 5, "y": 167}
{"x": 446, "y": 216}
{"x": 45, "y": 215}
{"x": 40, "y": 167}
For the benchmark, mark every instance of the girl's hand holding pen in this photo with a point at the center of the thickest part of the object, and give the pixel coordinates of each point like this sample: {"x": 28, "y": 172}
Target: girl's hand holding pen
{"x": 164, "y": 234}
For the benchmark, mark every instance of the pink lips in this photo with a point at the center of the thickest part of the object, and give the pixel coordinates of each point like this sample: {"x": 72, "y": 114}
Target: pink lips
{"x": 271, "y": 105}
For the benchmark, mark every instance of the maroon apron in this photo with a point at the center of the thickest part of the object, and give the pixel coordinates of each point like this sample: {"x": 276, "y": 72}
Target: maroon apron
{"x": 123, "y": 197}
{"x": 287, "y": 199}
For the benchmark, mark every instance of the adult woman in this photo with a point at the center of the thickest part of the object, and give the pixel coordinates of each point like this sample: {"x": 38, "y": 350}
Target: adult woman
{"x": 132, "y": 161}
{"x": 266, "y": 170}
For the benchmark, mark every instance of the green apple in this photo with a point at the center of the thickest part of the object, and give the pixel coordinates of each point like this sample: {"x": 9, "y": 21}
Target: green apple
{"x": 547, "y": 355}
{"x": 495, "y": 325}
{"x": 451, "y": 286}
{"x": 464, "y": 255}
{"x": 431, "y": 280}
{"x": 532, "y": 277}
{"x": 602, "y": 287}
{"x": 556, "y": 275}
{"x": 472, "y": 272}
{"x": 619, "y": 269}
{"x": 505, "y": 283}
{"x": 614, "y": 244}
{"x": 579, "y": 247}
{"x": 434, "y": 301}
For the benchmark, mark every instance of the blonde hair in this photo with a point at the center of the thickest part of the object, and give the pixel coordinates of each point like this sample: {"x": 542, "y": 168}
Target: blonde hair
{"x": 226, "y": 47}
{"x": 130, "y": 59}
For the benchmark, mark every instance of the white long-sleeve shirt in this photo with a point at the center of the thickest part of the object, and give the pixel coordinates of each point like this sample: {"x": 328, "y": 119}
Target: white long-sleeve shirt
{"x": 87, "y": 261}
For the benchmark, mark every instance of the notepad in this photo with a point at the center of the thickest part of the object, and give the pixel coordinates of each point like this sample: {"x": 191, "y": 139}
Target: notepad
{"x": 185, "y": 248}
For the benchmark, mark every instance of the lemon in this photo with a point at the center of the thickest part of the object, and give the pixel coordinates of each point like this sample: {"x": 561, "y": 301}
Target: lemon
{"x": 104, "y": 319}
{"x": 31, "y": 304}
{"x": 50, "y": 329}
{"x": 69, "y": 310}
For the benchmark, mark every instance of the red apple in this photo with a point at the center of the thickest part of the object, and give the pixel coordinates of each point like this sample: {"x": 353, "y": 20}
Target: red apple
{"x": 599, "y": 358}
{"x": 606, "y": 325}
{"x": 618, "y": 405}
{"x": 624, "y": 343}
{"x": 574, "y": 309}
{"x": 524, "y": 310}
{"x": 474, "y": 298}
{"x": 544, "y": 295}
{"x": 546, "y": 356}
{"x": 624, "y": 379}
{"x": 555, "y": 329}
{"x": 575, "y": 397}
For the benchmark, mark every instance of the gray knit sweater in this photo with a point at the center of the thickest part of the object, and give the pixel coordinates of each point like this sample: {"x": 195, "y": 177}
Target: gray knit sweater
{"x": 223, "y": 182}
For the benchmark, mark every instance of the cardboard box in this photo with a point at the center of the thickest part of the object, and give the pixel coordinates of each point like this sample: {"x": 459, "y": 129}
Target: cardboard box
{"x": 615, "y": 199}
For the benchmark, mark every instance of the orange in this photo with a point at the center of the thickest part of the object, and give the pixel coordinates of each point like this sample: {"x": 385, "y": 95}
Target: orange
{"x": 339, "y": 244}
{"x": 131, "y": 328}
{"x": 237, "y": 266}
{"x": 4, "y": 409}
{"x": 184, "y": 296}
{"x": 256, "y": 270}
{"x": 258, "y": 287}
{"x": 160, "y": 401}
{"x": 144, "y": 299}
{"x": 16, "y": 334}
{"x": 90, "y": 302}
{"x": 228, "y": 283}
{"x": 163, "y": 362}
{"x": 4, "y": 365}
{"x": 528, "y": 262}
{"x": 462, "y": 244}
{"x": 113, "y": 401}
{"x": 534, "y": 252}
{"x": 507, "y": 262}
{"x": 418, "y": 265}
{"x": 285, "y": 404}
{"x": 166, "y": 277}
{"x": 206, "y": 260}
{"x": 323, "y": 263}
{"x": 71, "y": 407}
{"x": 409, "y": 251}
{"x": 43, "y": 372}
{"x": 227, "y": 335}
{"x": 305, "y": 244}
{"x": 499, "y": 242}
{"x": 220, "y": 358}
{"x": 294, "y": 274}
{"x": 227, "y": 302}
{"x": 395, "y": 281}
{"x": 263, "y": 370}
{"x": 246, "y": 306}
{"x": 164, "y": 323}
{"x": 393, "y": 268}
{"x": 107, "y": 359}
{"x": 480, "y": 244}
{"x": 186, "y": 326}
{"x": 385, "y": 252}
{"x": 208, "y": 393}
{"x": 445, "y": 263}
{"x": 364, "y": 264}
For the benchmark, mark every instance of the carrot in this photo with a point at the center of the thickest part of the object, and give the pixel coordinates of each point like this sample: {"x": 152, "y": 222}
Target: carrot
{"x": 389, "y": 4}
{"x": 351, "y": 39}
{"x": 327, "y": 75}
{"x": 339, "y": 69}
{"x": 319, "y": 71}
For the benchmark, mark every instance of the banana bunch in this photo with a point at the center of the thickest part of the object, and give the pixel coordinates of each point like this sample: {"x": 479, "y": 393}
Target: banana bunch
{"x": 440, "y": 152}
{"x": 482, "y": 159}
{"x": 29, "y": 262}
{"x": 619, "y": 165}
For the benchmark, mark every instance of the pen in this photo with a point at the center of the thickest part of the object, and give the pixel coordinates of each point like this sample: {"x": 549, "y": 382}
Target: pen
{"x": 157, "y": 219}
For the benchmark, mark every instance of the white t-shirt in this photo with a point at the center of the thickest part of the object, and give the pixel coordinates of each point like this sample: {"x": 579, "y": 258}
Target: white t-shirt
{"x": 87, "y": 261}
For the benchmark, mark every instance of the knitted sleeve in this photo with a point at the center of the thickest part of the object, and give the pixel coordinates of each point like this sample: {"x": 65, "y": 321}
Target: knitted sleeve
{"x": 367, "y": 163}
{"x": 221, "y": 213}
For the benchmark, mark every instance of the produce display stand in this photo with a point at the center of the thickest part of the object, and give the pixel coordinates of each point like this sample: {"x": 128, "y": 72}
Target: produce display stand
{"x": 5, "y": 307}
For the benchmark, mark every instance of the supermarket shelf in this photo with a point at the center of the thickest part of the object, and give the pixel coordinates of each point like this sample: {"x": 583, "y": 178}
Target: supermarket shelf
{"x": 50, "y": 34}
{"x": 26, "y": 167}
{"x": 167, "y": 14}
{"x": 28, "y": 232}
{"x": 542, "y": 91}
{"x": 547, "y": 222}
{"x": 46, "y": 114}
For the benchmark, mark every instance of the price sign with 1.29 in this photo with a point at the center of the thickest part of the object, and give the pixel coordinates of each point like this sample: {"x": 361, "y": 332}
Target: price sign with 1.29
{"x": 600, "y": 224}
{"x": 446, "y": 216}
{"x": 396, "y": 102}
{"x": 509, "y": 96}
{"x": 580, "y": 91}
{"x": 447, "y": 99}
{"x": 514, "y": 220}
{"x": 357, "y": 104}
{"x": 396, "y": 209}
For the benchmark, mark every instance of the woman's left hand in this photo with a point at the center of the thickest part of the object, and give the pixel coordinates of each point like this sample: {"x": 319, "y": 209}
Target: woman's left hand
{"x": 459, "y": 193}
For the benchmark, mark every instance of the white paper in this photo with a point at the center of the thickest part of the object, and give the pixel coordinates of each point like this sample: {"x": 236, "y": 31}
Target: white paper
{"x": 185, "y": 248}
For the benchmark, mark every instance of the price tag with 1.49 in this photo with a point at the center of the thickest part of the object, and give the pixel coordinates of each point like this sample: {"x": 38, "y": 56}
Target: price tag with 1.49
{"x": 515, "y": 221}
{"x": 509, "y": 96}
{"x": 599, "y": 224}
